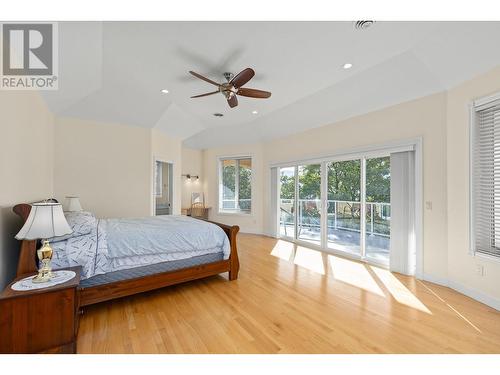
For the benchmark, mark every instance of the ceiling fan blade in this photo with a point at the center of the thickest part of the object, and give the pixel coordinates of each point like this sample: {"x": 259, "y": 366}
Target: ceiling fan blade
{"x": 208, "y": 93}
{"x": 242, "y": 77}
{"x": 232, "y": 101}
{"x": 254, "y": 93}
{"x": 204, "y": 78}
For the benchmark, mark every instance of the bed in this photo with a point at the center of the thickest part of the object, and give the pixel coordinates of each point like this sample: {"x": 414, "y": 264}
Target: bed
{"x": 121, "y": 257}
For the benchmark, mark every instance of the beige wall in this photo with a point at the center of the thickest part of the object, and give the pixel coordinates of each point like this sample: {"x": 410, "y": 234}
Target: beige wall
{"x": 462, "y": 266}
{"x": 26, "y": 166}
{"x": 192, "y": 163}
{"x": 107, "y": 165}
{"x": 110, "y": 166}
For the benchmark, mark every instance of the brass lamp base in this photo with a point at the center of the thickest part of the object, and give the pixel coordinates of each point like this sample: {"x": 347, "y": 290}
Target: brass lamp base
{"x": 44, "y": 255}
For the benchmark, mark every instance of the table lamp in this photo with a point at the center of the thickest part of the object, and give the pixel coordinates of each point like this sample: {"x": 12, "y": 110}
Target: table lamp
{"x": 73, "y": 204}
{"x": 46, "y": 220}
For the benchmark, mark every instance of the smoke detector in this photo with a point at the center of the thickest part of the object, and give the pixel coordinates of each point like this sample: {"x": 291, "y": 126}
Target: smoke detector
{"x": 363, "y": 25}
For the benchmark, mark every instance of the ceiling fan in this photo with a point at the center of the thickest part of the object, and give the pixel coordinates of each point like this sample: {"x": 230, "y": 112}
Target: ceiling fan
{"x": 233, "y": 87}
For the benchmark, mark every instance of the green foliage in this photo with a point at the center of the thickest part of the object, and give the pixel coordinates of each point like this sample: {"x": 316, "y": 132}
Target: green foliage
{"x": 245, "y": 184}
{"x": 228, "y": 181}
{"x": 378, "y": 180}
{"x": 344, "y": 180}
{"x": 287, "y": 187}
{"x": 310, "y": 181}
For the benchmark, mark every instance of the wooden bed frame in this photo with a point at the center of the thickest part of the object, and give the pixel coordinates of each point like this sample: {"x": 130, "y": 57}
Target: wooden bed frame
{"x": 27, "y": 264}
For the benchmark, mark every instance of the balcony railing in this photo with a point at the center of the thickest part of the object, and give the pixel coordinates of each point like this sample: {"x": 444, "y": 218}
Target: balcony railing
{"x": 341, "y": 215}
{"x": 233, "y": 205}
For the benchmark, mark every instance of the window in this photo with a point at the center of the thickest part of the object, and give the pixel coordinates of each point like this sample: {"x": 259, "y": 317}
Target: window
{"x": 235, "y": 185}
{"x": 485, "y": 177}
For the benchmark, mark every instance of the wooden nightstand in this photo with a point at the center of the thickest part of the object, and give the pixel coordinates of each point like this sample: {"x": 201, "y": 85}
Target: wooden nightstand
{"x": 40, "y": 321}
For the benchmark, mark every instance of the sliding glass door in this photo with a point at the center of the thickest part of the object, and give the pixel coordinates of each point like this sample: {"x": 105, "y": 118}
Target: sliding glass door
{"x": 378, "y": 209}
{"x": 287, "y": 205}
{"x": 309, "y": 203}
{"x": 342, "y": 205}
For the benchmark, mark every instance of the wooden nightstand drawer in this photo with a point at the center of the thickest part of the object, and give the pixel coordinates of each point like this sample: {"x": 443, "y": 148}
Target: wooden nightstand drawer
{"x": 40, "y": 321}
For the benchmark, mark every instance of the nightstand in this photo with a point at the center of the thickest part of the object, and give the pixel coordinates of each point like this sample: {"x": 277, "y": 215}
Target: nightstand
{"x": 40, "y": 321}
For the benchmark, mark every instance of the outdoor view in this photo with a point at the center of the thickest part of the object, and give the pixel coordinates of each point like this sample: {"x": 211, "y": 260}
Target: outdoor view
{"x": 237, "y": 185}
{"x": 343, "y": 205}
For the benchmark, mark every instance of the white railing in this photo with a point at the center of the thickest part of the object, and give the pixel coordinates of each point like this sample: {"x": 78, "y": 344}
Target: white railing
{"x": 383, "y": 209}
{"x": 232, "y": 204}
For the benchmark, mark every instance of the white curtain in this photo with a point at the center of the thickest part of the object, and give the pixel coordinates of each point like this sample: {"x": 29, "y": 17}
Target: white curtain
{"x": 273, "y": 216}
{"x": 403, "y": 239}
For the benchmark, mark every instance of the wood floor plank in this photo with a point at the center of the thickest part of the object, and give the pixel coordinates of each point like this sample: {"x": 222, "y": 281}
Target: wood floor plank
{"x": 289, "y": 299}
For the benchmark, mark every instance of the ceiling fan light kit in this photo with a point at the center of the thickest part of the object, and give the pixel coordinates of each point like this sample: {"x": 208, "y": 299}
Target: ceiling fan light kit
{"x": 233, "y": 87}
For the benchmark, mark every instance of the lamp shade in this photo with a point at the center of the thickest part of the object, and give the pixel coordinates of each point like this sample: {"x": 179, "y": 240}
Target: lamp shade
{"x": 73, "y": 204}
{"x": 45, "y": 220}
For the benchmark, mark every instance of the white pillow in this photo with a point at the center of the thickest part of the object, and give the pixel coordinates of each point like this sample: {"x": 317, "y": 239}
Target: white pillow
{"x": 81, "y": 222}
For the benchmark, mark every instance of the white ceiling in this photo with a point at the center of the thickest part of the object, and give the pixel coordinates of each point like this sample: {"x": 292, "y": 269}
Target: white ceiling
{"x": 114, "y": 71}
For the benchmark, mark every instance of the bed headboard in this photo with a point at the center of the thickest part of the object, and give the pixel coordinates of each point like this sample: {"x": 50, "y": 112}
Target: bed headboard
{"x": 27, "y": 257}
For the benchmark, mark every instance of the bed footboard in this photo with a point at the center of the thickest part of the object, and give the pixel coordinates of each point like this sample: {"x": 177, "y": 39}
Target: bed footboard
{"x": 231, "y": 232}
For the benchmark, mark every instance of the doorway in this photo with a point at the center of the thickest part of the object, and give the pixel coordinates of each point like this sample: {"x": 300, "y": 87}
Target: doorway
{"x": 163, "y": 189}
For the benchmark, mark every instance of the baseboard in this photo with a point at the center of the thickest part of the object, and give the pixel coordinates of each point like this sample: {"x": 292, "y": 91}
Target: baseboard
{"x": 435, "y": 280}
{"x": 251, "y": 232}
{"x": 472, "y": 293}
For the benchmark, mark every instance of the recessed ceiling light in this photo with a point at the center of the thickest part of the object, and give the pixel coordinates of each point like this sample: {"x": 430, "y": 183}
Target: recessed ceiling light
{"x": 254, "y": 112}
{"x": 164, "y": 91}
{"x": 347, "y": 66}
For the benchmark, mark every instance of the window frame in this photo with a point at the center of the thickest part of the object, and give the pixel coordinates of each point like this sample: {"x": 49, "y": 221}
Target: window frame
{"x": 475, "y": 107}
{"x": 236, "y": 212}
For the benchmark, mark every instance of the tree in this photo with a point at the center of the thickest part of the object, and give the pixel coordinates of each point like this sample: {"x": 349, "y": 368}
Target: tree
{"x": 310, "y": 181}
{"x": 378, "y": 180}
{"x": 229, "y": 183}
{"x": 287, "y": 186}
{"x": 344, "y": 180}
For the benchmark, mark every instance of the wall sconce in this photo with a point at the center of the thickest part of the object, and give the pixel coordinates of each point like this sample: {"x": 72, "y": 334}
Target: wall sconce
{"x": 190, "y": 177}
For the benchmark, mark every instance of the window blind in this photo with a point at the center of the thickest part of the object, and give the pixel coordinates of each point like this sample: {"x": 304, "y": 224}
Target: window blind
{"x": 486, "y": 179}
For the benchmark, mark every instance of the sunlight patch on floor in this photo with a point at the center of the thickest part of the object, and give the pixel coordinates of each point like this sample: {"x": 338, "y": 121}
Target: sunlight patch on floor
{"x": 283, "y": 250}
{"x": 310, "y": 259}
{"x": 354, "y": 273}
{"x": 399, "y": 291}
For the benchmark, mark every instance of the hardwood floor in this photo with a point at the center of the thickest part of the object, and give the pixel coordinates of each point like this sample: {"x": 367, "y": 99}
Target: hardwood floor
{"x": 291, "y": 299}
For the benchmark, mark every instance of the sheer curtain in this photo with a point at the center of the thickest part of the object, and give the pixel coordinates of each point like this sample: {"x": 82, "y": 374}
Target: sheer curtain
{"x": 403, "y": 239}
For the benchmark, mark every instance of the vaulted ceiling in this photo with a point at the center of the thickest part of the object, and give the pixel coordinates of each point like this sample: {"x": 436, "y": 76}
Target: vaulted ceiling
{"x": 115, "y": 71}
